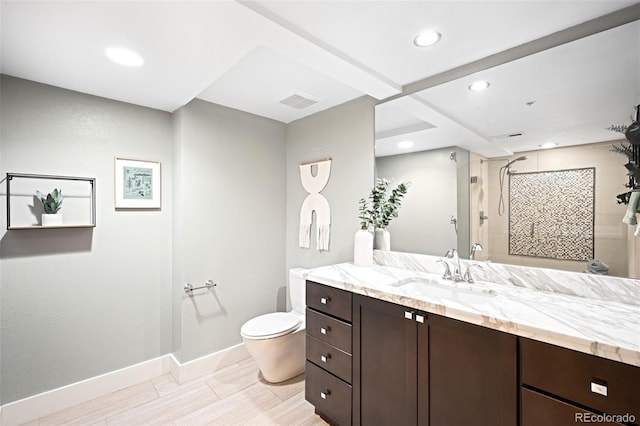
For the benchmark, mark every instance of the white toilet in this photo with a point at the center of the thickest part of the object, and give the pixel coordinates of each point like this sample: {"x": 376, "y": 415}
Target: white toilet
{"x": 277, "y": 340}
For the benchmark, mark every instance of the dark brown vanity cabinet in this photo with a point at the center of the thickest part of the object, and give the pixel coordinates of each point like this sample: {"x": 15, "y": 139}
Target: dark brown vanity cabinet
{"x": 564, "y": 387}
{"x": 416, "y": 368}
{"x": 329, "y": 348}
{"x": 385, "y": 371}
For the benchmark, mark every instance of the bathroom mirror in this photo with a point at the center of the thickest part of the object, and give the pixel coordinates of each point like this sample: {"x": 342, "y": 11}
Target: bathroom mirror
{"x": 452, "y": 143}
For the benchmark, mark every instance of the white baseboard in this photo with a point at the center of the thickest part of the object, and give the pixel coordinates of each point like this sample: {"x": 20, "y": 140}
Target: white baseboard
{"x": 43, "y": 404}
{"x": 49, "y": 402}
{"x": 208, "y": 363}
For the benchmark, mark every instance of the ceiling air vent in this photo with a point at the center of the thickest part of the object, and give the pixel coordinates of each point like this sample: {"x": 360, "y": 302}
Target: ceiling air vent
{"x": 298, "y": 100}
{"x": 507, "y": 136}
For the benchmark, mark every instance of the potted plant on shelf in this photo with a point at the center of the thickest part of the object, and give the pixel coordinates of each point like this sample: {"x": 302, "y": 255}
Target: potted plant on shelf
{"x": 51, "y": 204}
{"x": 384, "y": 207}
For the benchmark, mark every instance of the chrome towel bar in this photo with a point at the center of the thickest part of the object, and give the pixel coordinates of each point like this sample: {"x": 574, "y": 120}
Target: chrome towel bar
{"x": 189, "y": 288}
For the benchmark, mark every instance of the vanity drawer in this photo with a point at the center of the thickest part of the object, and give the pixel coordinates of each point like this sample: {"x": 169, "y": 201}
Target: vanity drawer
{"x": 581, "y": 378}
{"x": 538, "y": 409}
{"x": 330, "y": 358}
{"x": 330, "y": 300}
{"x": 330, "y": 330}
{"x": 330, "y": 395}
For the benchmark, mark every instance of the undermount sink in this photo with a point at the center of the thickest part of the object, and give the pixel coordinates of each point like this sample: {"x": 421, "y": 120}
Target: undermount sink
{"x": 442, "y": 289}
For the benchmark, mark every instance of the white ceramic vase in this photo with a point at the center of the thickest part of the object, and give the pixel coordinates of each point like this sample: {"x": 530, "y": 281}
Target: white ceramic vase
{"x": 382, "y": 239}
{"x": 363, "y": 248}
{"x": 49, "y": 219}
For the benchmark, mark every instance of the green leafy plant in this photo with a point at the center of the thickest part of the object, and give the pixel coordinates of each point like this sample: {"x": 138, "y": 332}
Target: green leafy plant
{"x": 384, "y": 207}
{"x": 623, "y": 149}
{"x": 52, "y": 202}
{"x": 365, "y": 216}
{"x": 632, "y": 133}
{"x": 620, "y": 128}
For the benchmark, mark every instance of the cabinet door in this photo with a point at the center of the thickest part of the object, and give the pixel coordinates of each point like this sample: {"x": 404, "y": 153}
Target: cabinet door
{"x": 384, "y": 370}
{"x": 538, "y": 409}
{"x": 471, "y": 372}
{"x": 601, "y": 384}
{"x": 330, "y": 395}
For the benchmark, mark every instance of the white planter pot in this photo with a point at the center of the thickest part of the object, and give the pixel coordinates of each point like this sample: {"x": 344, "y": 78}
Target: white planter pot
{"x": 382, "y": 240}
{"x": 363, "y": 248}
{"x": 51, "y": 219}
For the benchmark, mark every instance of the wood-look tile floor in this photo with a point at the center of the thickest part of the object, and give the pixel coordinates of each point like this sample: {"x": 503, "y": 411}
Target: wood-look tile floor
{"x": 236, "y": 395}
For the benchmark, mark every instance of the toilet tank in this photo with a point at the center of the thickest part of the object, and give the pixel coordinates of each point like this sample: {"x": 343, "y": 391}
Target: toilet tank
{"x": 297, "y": 277}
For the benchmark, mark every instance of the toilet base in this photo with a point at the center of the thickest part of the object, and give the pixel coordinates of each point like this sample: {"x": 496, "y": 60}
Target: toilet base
{"x": 280, "y": 358}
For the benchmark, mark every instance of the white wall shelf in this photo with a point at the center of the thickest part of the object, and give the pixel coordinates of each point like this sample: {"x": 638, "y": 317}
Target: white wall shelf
{"x": 24, "y": 210}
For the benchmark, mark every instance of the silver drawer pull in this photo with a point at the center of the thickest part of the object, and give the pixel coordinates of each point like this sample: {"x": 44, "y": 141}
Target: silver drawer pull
{"x": 599, "y": 388}
{"x": 325, "y": 394}
{"x": 325, "y": 330}
{"x": 325, "y": 358}
{"x": 408, "y": 314}
{"x": 420, "y": 319}
{"x": 324, "y": 300}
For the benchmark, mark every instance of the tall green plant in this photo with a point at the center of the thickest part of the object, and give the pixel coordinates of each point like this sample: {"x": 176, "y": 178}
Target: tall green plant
{"x": 383, "y": 206}
{"x": 365, "y": 216}
{"x": 52, "y": 202}
{"x": 391, "y": 207}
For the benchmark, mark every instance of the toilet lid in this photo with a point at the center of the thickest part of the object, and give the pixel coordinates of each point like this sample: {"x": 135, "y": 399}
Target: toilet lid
{"x": 270, "y": 325}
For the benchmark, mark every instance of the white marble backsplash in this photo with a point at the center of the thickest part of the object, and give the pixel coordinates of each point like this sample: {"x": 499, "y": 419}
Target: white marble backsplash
{"x": 600, "y": 287}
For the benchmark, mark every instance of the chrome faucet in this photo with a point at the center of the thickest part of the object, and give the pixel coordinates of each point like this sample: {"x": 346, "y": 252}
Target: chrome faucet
{"x": 474, "y": 248}
{"x": 467, "y": 275}
{"x": 447, "y": 271}
{"x": 457, "y": 274}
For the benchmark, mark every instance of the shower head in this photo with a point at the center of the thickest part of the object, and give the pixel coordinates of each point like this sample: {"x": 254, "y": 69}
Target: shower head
{"x": 504, "y": 172}
{"x": 524, "y": 157}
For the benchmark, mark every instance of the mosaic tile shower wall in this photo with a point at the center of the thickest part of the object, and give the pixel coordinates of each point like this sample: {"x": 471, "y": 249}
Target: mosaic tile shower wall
{"x": 551, "y": 214}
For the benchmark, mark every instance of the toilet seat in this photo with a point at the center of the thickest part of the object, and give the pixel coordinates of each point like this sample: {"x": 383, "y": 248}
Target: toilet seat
{"x": 271, "y": 325}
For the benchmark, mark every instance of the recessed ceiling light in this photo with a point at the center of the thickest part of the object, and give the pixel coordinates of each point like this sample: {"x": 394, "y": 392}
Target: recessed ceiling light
{"x": 477, "y": 86}
{"x": 427, "y": 38}
{"x": 405, "y": 144}
{"x": 123, "y": 56}
{"x": 548, "y": 145}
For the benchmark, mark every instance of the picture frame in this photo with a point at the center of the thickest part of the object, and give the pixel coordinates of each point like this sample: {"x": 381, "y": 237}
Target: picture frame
{"x": 137, "y": 184}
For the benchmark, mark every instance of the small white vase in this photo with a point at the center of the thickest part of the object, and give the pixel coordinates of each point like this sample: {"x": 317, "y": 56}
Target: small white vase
{"x": 382, "y": 240}
{"x": 49, "y": 219}
{"x": 363, "y": 248}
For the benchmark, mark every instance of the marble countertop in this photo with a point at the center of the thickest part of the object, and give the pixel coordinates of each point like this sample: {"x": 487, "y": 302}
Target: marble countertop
{"x": 609, "y": 329}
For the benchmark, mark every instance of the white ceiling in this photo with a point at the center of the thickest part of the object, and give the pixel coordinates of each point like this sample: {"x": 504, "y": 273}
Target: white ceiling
{"x": 567, "y": 95}
{"x": 249, "y": 55}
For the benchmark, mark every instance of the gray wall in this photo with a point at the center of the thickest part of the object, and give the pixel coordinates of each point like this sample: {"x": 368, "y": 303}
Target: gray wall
{"x": 230, "y": 222}
{"x": 345, "y": 133}
{"x": 423, "y": 225}
{"x": 76, "y": 303}
{"x": 463, "y": 191}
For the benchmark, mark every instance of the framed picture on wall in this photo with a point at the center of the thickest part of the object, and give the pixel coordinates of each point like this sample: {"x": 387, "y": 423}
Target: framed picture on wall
{"x": 137, "y": 184}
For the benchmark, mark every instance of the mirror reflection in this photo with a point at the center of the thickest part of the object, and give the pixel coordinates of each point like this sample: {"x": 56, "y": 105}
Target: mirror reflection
{"x": 469, "y": 152}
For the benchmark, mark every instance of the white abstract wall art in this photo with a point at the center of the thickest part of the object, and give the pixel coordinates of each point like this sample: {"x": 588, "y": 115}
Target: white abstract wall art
{"x": 315, "y": 202}
{"x": 551, "y": 214}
